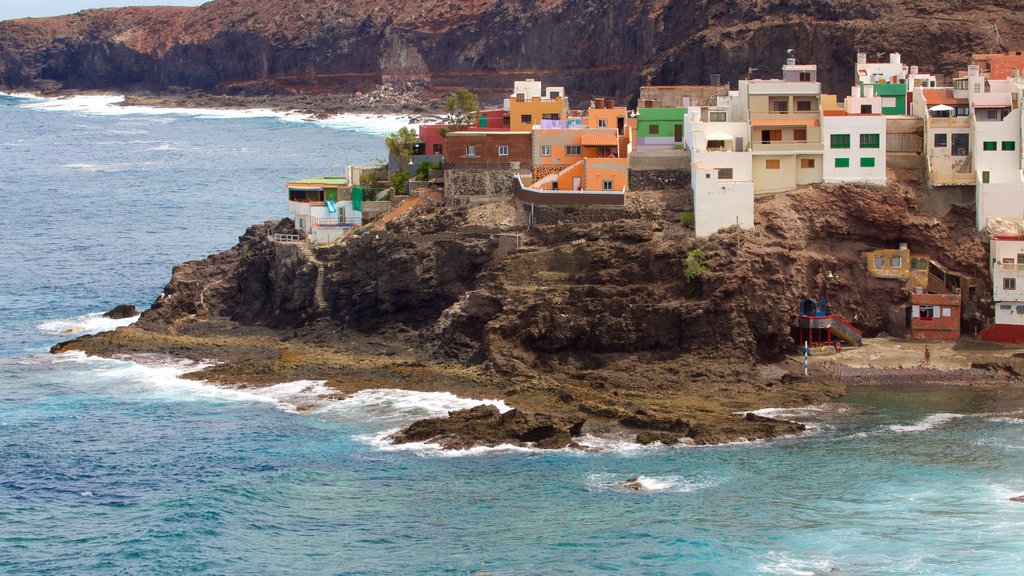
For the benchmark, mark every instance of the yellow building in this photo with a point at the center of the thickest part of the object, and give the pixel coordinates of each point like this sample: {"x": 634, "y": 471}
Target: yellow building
{"x": 530, "y": 103}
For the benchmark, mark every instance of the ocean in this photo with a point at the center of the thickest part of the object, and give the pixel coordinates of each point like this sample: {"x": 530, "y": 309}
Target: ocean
{"x": 120, "y": 466}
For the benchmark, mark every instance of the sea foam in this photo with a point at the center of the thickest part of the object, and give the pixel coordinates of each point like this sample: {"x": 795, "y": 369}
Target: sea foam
{"x": 84, "y": 324}
{"x": 670, "y": 483}
{"x": 111, "y": 105}
{"x": 927, "y": 423}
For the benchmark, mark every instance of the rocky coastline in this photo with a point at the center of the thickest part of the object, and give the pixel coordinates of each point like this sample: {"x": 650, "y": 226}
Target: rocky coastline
{"x": 587, "y": 327}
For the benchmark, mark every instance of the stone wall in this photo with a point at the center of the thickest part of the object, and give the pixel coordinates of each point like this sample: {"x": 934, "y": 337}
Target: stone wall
{"x": 556, "y": 214}
{"x": 474, "y": 183}
{"x": 646, "y": 180}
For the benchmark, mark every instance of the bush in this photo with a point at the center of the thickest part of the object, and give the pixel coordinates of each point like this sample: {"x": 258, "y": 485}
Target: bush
{"x": 686, "y": 218}
{"x": 423, "y": 170}
{"x": 369, "y": 179}
{"x": 696, "y": 264}
{"x": 398, "y": 180}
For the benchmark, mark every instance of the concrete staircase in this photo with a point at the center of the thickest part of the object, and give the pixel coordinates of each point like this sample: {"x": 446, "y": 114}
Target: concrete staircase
{"x": 318, "y": 291}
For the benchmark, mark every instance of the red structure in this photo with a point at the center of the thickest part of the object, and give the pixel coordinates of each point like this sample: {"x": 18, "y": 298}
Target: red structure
{"x": 934, "y": 316}
{"x": 489, "y": 121}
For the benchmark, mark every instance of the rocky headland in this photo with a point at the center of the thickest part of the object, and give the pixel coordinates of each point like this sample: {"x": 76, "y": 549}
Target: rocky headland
{"x": 587, "y": 327}
{"x": 420, "y": 50}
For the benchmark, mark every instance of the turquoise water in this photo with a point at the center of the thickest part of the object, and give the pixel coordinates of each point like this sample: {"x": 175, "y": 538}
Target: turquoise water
{"x": 117, "y": 467}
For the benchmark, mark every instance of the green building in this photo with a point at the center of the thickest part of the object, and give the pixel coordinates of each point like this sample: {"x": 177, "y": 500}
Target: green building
{"x": 660, "y": 127}
{"x": 894, "y": 97}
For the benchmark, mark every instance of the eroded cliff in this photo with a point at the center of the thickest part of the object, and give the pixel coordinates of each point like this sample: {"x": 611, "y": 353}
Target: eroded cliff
{"x": 592, "y": 48}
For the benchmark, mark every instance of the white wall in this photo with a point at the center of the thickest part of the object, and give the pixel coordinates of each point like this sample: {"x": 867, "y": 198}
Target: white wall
{"x": 718, "y": 203}
{"x": 855, "y": 126}
{"x": 1009, "y": 249}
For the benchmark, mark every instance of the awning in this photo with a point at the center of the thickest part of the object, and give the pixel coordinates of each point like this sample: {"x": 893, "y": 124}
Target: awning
{"x": 305, "y": 189}
{"x": 600, "y": 140}
{"x": 718, "y": 136}
{"x": 941, "y": 108}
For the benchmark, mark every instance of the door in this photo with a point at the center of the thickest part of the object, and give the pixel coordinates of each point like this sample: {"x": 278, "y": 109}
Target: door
{"x": 576, "y": 184}
{"x": 679, "y": 132}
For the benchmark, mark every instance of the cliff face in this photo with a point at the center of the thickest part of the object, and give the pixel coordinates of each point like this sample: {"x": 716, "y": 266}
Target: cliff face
{"x": 605, "y": 48}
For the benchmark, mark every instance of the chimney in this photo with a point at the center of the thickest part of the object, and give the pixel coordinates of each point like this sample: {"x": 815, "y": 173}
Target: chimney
{"x": 855, "y": 91}
{"x": 913, "y": 69}
{"x": 598, "y": 103}
{"x": 716, "y": 79}
{"x": 862, "y": 58}
{"x": 974, "y": 70}
{"x": 869, "y": 91}
{"x": 609, "y": 103}
{"x": 903, "y": 245}
{"x": 790, "y": 61}
{"x": 894, "y": 58}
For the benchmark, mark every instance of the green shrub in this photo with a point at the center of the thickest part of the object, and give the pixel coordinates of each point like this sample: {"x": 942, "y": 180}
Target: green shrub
{"x": 686, "y": 218}
{"x": 423, "y": 170}
{"x": 398, "y": 180}
{"x": 696, "y": 264}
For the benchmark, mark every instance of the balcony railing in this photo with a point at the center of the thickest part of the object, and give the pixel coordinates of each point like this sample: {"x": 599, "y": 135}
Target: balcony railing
{"x": 795, "y": 115}
{"x": 788, "y": 146}
{"x": 953, "y": 178}
{"x": 952, "y": 122}
{"x": 333, "y": 222}
{"x": 1000, "y": 267}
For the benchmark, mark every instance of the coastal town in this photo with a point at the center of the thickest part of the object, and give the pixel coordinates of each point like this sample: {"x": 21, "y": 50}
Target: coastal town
{"x": 728, "y": 149}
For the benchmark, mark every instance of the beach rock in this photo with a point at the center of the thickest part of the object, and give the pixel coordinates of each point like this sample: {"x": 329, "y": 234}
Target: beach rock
{"x": 1017, "y": 498}
{"x": 121, "y": 311}
{"x": 485, "y": 425}
{"x": 632, "y": 483}
{"x": 646, "y": 438}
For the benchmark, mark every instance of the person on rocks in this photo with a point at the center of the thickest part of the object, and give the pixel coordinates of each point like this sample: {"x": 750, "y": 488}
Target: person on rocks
{"x": 927, "y": 354}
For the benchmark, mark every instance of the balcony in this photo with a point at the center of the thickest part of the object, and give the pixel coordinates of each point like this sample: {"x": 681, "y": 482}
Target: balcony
{"x": 952, "y": 122}
{"x": 333, "y": 222}
{"x": 953, "y": 178}
{"x": 1008, "y": 267}
{"x": 798, "y": 117}
{"x": 784, "y": 146}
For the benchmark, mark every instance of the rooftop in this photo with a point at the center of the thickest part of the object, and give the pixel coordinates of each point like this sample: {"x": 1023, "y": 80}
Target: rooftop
{"x": 324, "y": 181}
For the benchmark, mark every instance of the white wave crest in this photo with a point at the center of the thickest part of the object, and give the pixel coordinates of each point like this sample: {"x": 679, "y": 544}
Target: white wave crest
{"x": 111, "y": 105}
{"x": 85, "y": 324}
{"x": 927, "y": 423}
{"x": 382, "y": 441}
{"x": 405, "y": 405}
{"x": 610, "y": 481}
{"x": 784, "y": 564}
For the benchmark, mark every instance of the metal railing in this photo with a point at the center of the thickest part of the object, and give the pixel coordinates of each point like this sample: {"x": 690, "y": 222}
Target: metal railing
{"x": 332, "y": 222}
{"x": 287, "y": 237}
{"x": 788, "y": 145}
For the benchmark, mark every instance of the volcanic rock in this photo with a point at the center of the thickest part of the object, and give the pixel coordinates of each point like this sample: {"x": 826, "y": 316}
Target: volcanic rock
{"x": 485, "y": 425}
{"x": 121, "y": 311}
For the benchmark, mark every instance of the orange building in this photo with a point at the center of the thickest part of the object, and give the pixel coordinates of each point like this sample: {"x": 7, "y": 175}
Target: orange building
{"x": 530, "y": 103}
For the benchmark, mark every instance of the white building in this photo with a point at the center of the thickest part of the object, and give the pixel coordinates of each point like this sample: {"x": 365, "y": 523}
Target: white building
{"x": 324, "y": 209}
{"x": 1008, "y": 279}
{"x": 854, "y": 139}
{"x": 721, "y": 171}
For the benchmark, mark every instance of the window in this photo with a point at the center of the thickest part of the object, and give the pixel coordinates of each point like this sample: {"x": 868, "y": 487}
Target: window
{"x": 602, "y": 123}
{"x": 803, "y": 105}
{"x": 888, "y": 102}
{"x": 926, "y": 313}
{"x": 961, "y": 145}
{"x": 502, "y": 150}
{"x": 772, "y": 164}
{"x": 1009, "y": 283}
{"x": 867, "y": 162}
{"x": 526, "y": 119}
{"x": 869, "y": 140}
{"x": 992, "y": 114}
{"x": 842, "y": 162}
{"x": 470, "y": 150}
{"x": 1009, "y": 145}
{"x": 1020, "y": 309}
{"x": 986, "y": 177}
{"x": 606, "y": 185}
{"x": 554, "y": 185}
{"x": 1020, "y": 258}
{"x": 805, "y": 76}
{"x": 1005, "y": 307}
{"x": 807, "y": 162}
{"x": 879, "y": 261}
{"x": 573, "y": 151}
{"x": 716, "y": 117}
{"x": 865, "y": 108}
{"x": 896, "y": 262}
{"x": 725, "y": 173}
{"x": 840, "y": 140}
{"x": 941, "y": 140}
{"x": 654, "y": 129}
{"x": 780, "y": 106}
{"x": 438, "y": 148}
{"x": 545, "y": 150}
{"x": 800, "y": 135}
{"x": 988, "y": 146}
